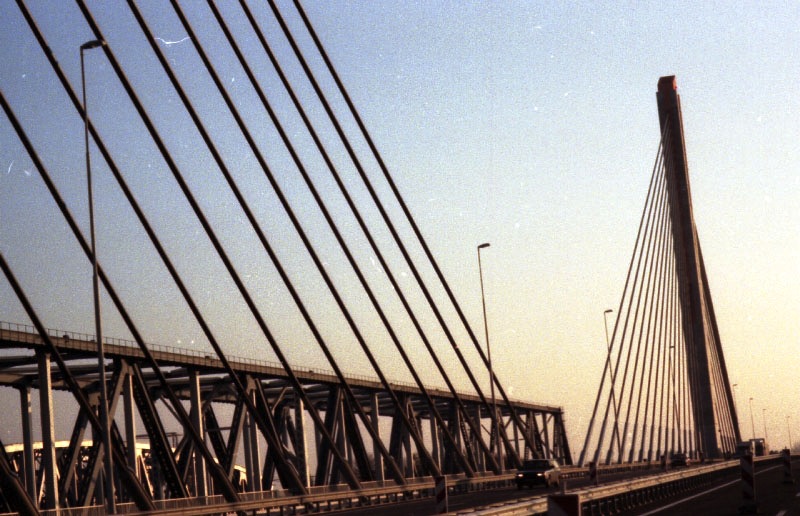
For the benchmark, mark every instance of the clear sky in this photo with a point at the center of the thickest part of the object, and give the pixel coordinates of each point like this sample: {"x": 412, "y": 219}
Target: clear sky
{"x": 530, "y": 125}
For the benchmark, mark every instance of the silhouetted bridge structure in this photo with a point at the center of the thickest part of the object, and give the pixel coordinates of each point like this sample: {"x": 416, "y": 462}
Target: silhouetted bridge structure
{"x": 664, "y": 389}
{"x": 200, "y": 380}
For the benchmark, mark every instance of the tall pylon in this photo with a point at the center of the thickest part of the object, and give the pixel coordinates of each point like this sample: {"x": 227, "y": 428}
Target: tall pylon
{"x": 704, "y": 351}
{"x": 664, "y": 387}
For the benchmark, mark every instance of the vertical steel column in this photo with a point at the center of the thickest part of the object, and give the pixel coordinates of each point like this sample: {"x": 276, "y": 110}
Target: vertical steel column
{"x": 342, "y": 442}
{"x": 408, "y": 452}
{"x": 480, "y": 457}
{"x": 375, "y": 419}
{"x": 130, "y": 417}
{"x": 196, "y": 415}
{"x": 249, "y": 464}
{"x": 255, "y": 454}
{"x": 546, "y": 434}
{"x": 435, "y": 446}
{"x": 27, "y": 440}
{"x": 301, "y": 446}
{"x": 48, "y": 432}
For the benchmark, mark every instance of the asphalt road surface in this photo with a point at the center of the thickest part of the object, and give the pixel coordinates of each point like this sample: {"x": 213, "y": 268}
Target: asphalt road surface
{"x": 475, "y": 499}
{"x": 773, "y": 496}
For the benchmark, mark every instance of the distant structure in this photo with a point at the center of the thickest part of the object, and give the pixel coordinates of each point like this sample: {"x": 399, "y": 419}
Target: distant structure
{"x": 665, "y": 387}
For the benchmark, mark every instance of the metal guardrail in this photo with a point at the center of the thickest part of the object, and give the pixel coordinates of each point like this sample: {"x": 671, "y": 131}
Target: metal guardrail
{"x": 319, "y": 500}
{"x": 602, "y": 499}
{"x": 627, "y": 494}
{"x": 86, "y": 342}
{"x": 29, "y": 335}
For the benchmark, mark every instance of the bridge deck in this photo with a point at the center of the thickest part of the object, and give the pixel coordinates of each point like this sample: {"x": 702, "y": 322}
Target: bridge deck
{"x": 79, "y": 349}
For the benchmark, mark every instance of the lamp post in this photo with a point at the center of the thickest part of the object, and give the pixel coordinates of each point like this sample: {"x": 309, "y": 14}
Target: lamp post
{"x": 613, "y": 387}
{"x": 764, "y": 419}
{"x": 496, "y": 441}
{"x": 789, "y": 431}
{"x": 735, "y": 408}
{"x": 752, "y": 421}
{"x": 106, "y": 430}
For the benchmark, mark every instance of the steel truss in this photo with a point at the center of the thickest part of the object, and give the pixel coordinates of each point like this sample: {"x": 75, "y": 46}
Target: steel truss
{"x": 162, "y": 463}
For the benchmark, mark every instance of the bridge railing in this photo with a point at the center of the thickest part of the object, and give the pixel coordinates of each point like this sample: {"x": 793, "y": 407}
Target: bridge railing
{"x": 28, "y": 334}
{"x": 628, "y": 494}
{"x": 320, "y": 498}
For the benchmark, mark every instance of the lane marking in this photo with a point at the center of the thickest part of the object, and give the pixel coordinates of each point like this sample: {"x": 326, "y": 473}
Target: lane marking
{"x": 660, "y": 509}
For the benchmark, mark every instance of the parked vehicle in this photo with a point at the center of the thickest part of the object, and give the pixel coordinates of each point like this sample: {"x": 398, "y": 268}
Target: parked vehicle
{"x": 756, "y": 447}
{"x": 760, "y": 445}
{"x": 538, "y": 472}
{"x": 680, "y": 460}
{"x": 744, "y": 448}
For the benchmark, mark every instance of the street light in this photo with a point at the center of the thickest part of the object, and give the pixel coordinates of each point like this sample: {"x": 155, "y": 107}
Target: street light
{"x": 764, "y": 419}
{"x": 752, "y": 421}
{"x": 613, "y": 387}
{"x": 496, "y": 441}
{"x": 789, "y": 431}
{"x": 101, "y": 359}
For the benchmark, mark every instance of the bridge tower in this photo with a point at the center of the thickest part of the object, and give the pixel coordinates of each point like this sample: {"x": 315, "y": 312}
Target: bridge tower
{"x": 665, "y": 386}
{"x": 699, "y": 322}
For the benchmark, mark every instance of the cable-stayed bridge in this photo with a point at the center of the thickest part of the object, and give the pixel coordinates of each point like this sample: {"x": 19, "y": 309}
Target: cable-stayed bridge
{"x": 665, "y": 387}
{"x": 348, "y": 417}
{"x": 300, "y": 426}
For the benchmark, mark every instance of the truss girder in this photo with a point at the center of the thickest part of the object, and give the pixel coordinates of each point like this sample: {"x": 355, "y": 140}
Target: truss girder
{"x": 159, "y": 444}
{"x": 326, "y": 397}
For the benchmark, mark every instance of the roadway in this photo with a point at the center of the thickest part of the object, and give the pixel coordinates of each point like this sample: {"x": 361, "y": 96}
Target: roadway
{"x": 466, "y": 502}
{"x": 773, "y": 496}
{"x": 461, "y": 502}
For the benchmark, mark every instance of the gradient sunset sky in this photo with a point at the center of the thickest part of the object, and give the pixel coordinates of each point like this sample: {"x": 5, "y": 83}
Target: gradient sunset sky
{"x": 529, "y": 125}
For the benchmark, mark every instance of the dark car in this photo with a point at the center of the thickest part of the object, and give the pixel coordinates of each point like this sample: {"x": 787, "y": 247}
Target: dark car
{"x": 679, "y": 459}
{"x": 538, "y": 472}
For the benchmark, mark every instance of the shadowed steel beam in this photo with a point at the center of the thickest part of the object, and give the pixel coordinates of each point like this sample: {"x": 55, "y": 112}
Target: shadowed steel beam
{"x": 48, "y": 432}
{"x": 159, "y": 444}
{"x": 27, "y": 439}
{"x": 196, "y": 413}
{"x": 70, "y": 458}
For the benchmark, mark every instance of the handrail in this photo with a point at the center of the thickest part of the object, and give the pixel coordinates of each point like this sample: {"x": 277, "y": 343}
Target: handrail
{"x": 273, "y": 500}
{"x": 417, "y": 488}
{"x": 598, "y": 494}
{"x": 28, "y": 334}
{"x": 32, "y": 337}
